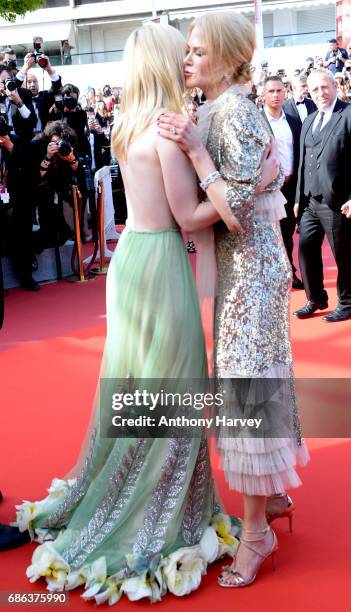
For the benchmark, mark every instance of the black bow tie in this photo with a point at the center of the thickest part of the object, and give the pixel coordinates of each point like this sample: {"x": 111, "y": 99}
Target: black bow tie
{"x": 297, "y": 103}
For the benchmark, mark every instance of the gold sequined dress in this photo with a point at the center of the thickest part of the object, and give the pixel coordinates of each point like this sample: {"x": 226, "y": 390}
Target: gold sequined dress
{"x": 252, "y": 339}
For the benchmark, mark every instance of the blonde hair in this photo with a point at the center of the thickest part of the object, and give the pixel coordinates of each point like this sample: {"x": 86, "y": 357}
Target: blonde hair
{"x": 230, "y": 43}
{"x": 154, "y": 82}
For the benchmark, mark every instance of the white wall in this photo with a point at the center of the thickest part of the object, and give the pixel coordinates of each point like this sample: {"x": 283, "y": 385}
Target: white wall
{"x": 93, "y": 75}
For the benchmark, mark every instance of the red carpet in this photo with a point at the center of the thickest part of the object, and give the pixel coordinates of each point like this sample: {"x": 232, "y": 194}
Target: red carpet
{"x": 51, "y": 349}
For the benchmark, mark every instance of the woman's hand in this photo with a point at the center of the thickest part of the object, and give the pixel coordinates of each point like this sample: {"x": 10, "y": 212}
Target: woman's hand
{"x": 182, "y": 131}
{"x": 52, "y": 149}
{"x": 346, "y": 209}
{"x": 6, "y": 142}
{"x": 269, "y": 166}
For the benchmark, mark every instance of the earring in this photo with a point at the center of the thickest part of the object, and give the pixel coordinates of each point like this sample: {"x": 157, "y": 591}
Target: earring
{"x": 227, "y": 78}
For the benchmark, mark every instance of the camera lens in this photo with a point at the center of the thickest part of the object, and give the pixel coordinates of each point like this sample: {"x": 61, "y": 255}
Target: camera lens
{"x": 11, "y": 84}
{"x": 64, "y": 148}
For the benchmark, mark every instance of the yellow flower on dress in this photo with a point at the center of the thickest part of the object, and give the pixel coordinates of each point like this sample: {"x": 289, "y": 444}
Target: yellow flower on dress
{"x": 228, "y": 543}
{"x": 47, "y": 562}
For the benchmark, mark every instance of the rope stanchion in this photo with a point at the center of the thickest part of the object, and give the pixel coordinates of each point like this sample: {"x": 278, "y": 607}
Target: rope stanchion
{"x": 79, "y": 276}
{"x": 102, "y": 269}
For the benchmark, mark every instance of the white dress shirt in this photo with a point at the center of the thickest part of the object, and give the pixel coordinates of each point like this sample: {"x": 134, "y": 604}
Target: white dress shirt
{"x": 301, "y": 109}
{"x": 283, "y": 135}
{"x": 327, "y": 116}
{"x": 91, "y": 142}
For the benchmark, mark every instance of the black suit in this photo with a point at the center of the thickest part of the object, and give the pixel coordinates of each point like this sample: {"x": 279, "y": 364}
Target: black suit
{"x": 44, "y": 101}
{"x": 20, "y": 186}
{"x": 289, "y": 188}
{"x": 324, "y": 185}
{"x": 23, "y": 127}
{"x": 290, "y": 108}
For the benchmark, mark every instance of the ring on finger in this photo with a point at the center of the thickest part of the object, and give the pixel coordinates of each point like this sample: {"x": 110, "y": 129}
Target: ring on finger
{"x": 172, "y": 129}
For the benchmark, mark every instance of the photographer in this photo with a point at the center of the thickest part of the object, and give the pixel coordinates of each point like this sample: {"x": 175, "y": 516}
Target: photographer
{"x": 16, "y": 186}
{"x": 55, "y": 168}
{"x": 8, "y": 57}
{"x": 309, "y": 66}
{"x": 109, "y": 99}
{"x": 66, "y": 109}
{"x": 97, "y": 155}
{"x": 336, "y": 57}
{"x": 16, "y": 104}
{"x": 42, "y": 100}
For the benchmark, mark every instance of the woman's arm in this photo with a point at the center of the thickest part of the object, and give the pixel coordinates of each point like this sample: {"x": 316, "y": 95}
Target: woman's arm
{"x": 181, "y": 189}
{"x": 240, "y": 163}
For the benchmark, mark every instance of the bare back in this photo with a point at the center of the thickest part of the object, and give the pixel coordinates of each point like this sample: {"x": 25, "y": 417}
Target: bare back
{"x": 147, "y": 203}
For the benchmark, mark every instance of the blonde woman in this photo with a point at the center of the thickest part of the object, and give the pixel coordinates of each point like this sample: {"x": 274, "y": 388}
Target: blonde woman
{"x": 252, "y": 309}
{"x": 134, "y": 514}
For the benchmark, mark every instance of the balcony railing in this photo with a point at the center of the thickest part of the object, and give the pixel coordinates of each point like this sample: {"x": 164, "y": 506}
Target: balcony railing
{"x": 305, "y": 38}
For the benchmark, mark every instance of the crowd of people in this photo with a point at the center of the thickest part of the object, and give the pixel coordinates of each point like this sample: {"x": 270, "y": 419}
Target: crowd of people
{"x": 49, "y": 140}
{"x": 36, "y": 177}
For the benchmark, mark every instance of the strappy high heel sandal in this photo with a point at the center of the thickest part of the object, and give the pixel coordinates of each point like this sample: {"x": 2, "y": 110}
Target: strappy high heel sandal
{"x": 287, "y": 511}
{"x": 231, "y": 577}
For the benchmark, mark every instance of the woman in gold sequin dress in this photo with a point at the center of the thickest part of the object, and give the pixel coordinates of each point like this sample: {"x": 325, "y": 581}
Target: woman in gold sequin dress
{"x": 252, "y": 340}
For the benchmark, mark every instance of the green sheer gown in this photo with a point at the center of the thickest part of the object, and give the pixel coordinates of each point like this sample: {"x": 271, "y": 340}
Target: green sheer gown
{"x": 136, "y": 516}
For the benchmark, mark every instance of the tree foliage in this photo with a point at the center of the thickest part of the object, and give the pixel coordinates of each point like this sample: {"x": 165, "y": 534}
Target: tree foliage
{"x": 9, "y": 9}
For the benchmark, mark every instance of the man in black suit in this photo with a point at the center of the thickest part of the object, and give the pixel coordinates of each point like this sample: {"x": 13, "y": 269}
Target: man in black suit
{"x": 299, "y": 105}
{"x": 286, "y": 131}
{"x": 16, "y": 104}
{"x": 42, "y": 100}
{"x": 324, "y": 186}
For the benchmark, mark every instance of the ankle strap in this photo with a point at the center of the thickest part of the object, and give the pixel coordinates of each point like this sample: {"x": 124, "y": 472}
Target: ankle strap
{"x": 255, "y": 536}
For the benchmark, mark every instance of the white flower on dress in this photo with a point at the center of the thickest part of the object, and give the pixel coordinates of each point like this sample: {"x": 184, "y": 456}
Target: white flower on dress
{"x": 75, "y": 579}
{"x": 47, "y": 562}
{"x": 209, "y": 544}
{"x": 26, "y": 512}
{"x": 183, "y": 570}
{"x": 112, "y": 590}
{"x": 96, "y": 578}
{"x": 59, "y": 487}
{"x": 146, "y": 584}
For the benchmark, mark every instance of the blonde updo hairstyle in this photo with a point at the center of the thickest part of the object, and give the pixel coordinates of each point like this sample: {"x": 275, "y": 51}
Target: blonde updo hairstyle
{"x": 230, "y": 43}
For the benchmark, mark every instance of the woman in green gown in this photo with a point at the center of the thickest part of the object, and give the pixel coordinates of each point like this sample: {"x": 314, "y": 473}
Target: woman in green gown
{"x": 139, "y": 515}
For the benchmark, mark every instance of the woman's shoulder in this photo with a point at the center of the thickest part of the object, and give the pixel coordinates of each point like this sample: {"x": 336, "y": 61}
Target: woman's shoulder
{"x": 240, "y": 114}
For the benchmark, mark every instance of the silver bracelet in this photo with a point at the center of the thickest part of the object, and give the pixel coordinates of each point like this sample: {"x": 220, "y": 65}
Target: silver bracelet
{"x": 211, "y": 178}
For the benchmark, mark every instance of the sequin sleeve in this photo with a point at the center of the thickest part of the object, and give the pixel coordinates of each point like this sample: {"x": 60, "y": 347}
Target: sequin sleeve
{"x": 242, "y": 142}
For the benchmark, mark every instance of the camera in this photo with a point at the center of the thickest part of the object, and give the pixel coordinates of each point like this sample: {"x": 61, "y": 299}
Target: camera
{"x": 59, "y": 101}
{"x": 12, "y": 64}
{"x": 10, "y": 84}
{"x": 5, "y": 129}
{"x": 38, "y": 54}
{"x": 70, "y": 102}
{"x": 64, "y": 148}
